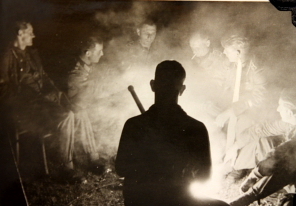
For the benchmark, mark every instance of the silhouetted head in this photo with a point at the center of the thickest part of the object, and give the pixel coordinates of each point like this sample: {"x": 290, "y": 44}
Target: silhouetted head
{"x": 169, "y": 79}
{"x": 287, "y": 105}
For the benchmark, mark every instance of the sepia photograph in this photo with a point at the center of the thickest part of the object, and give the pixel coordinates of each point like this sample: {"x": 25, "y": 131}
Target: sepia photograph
{"x": 147, "y": 103}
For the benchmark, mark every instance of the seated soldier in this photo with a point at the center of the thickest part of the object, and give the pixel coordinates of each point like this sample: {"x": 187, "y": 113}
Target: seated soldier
{"x": 140, "y": 50}
{"x": 246, "y": 87}
{"x": 24, "y": 86}
{"x": 207, "y": 58}
{"x": 278, "y": 169}
{"x": 77, "y": 139}
{"x": 163, "y": 150}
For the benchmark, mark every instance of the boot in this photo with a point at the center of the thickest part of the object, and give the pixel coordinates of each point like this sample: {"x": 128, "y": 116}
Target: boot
{"x": 253, "y": 177}
{"x": 244, "y": 200}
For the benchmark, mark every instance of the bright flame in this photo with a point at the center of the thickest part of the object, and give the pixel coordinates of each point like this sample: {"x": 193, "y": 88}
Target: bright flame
{"x": 199, "y": 189}
{"x": 211, "y": 188}
{"x": 204, "y": 190}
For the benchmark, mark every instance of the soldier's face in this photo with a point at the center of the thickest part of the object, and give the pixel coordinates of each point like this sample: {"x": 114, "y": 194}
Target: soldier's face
{"x": 94, "y": 54}
{"x": 26, "y": 35}
{"x": 199, "y": 46}
{"x": 286, "y": 113}
{"x": 147, "y": 35}
{"x": 231, "y": 53}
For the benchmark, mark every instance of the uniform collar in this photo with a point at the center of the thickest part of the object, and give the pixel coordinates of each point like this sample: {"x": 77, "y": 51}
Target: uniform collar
{"x": 143, "y": 48}
{"x": 200, "y": 60}
{"x": 86, "y": 67}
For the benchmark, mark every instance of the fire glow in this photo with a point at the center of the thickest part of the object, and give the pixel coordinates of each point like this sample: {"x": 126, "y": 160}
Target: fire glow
{"x": 210, "y": 188}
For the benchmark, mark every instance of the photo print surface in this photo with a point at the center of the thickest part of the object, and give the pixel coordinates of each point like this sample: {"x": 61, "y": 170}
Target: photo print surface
{"x": 73, "y": 72}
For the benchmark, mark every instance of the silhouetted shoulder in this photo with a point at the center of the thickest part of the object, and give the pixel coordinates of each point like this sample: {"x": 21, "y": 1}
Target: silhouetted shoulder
{"x": 139, "y": 119}
{"x": 194, "y": 122}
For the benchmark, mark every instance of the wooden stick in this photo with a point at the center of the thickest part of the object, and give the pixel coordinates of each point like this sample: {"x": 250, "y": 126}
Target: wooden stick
{"x": 44, "y": 156}
{"x": 139, "y": 104}
{"x": 231, "y": 129}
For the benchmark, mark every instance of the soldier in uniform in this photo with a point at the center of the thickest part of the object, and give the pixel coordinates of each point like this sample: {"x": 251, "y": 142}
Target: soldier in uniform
{"x": 210, "y": 72}
{"x": 247, "y": 86}
{"x": 211, "y": 64}
{"x": 28, "y": 102}
{"x": 76, "y": 133}
{"x": 138, "y": 61}
{"x": 25, "y": 87}
{"x": 139, "y": 51}
{"x": 207, "y": 58}
{"x": 278, "y": 169}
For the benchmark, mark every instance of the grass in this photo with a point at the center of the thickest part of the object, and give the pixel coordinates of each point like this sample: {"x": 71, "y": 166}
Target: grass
{"x": 92, "y": 190}
{"x": 96, "y": 188}
{"x": 103, "y": 190}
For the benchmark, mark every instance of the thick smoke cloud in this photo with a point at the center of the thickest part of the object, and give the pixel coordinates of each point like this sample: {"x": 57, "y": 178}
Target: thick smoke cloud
{"x": 271, "y": 33}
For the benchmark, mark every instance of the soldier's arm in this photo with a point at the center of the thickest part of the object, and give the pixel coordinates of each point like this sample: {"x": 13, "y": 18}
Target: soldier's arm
{"x": 6, "y": 66}
{"x": 79, "y": 90}
{"x": 266, "y": 129}
{"x": 48, "y": 88}
{"x": 255, "y": 90}
{"x": 282, "y": 158}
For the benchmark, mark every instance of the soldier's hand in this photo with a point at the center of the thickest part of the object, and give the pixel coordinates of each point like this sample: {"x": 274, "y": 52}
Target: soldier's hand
{"x": 53, "y": 96}
{"x": 223, "y": 117}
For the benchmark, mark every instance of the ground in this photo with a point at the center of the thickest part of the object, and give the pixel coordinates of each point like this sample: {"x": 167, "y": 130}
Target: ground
{"x": 94, "y": 190}
{"x": 103, "y": 190}
{"x": 92, "y": 186}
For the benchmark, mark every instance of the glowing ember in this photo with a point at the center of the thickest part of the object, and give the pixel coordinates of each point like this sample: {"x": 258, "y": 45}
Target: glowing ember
{"x": 213, "y": 188}
{"x": 201, "y": 190}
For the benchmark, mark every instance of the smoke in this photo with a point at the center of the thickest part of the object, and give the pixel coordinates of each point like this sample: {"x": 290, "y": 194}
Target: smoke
{"x": 270, "y": 31}
{"x": 60, "y": 27}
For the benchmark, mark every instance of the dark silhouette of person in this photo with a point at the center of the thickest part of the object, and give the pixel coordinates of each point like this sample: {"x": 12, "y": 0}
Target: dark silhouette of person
{"x": 162, "y": 150}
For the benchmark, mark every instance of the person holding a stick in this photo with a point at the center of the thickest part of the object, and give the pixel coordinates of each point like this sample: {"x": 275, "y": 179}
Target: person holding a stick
{"x": 163, "y": 150}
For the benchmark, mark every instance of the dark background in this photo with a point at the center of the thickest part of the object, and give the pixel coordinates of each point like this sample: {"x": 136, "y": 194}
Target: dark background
{"x": 59, "y": 24}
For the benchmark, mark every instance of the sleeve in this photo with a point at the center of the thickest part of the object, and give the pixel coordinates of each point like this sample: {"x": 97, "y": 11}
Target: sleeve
{"x": 7, "y": 65}
{"x": 254, "y": 89}
{"x": 265, "y": 129}
{"x": 127, "y": 160}
{"x": 281, "y": 158}
{"x": 80, "y": 90}
{"x": 48, "y": 86}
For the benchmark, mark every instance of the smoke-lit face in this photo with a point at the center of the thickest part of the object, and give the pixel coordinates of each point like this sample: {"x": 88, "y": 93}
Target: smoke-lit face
{"x": 285, "y": 112}
{"x": 26, "y": 36}
{"x": 147, "y": 35}
{"x": 231, "y": 53}
{"x": 199, "y": 46}
{"x": 94, "y": 54}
